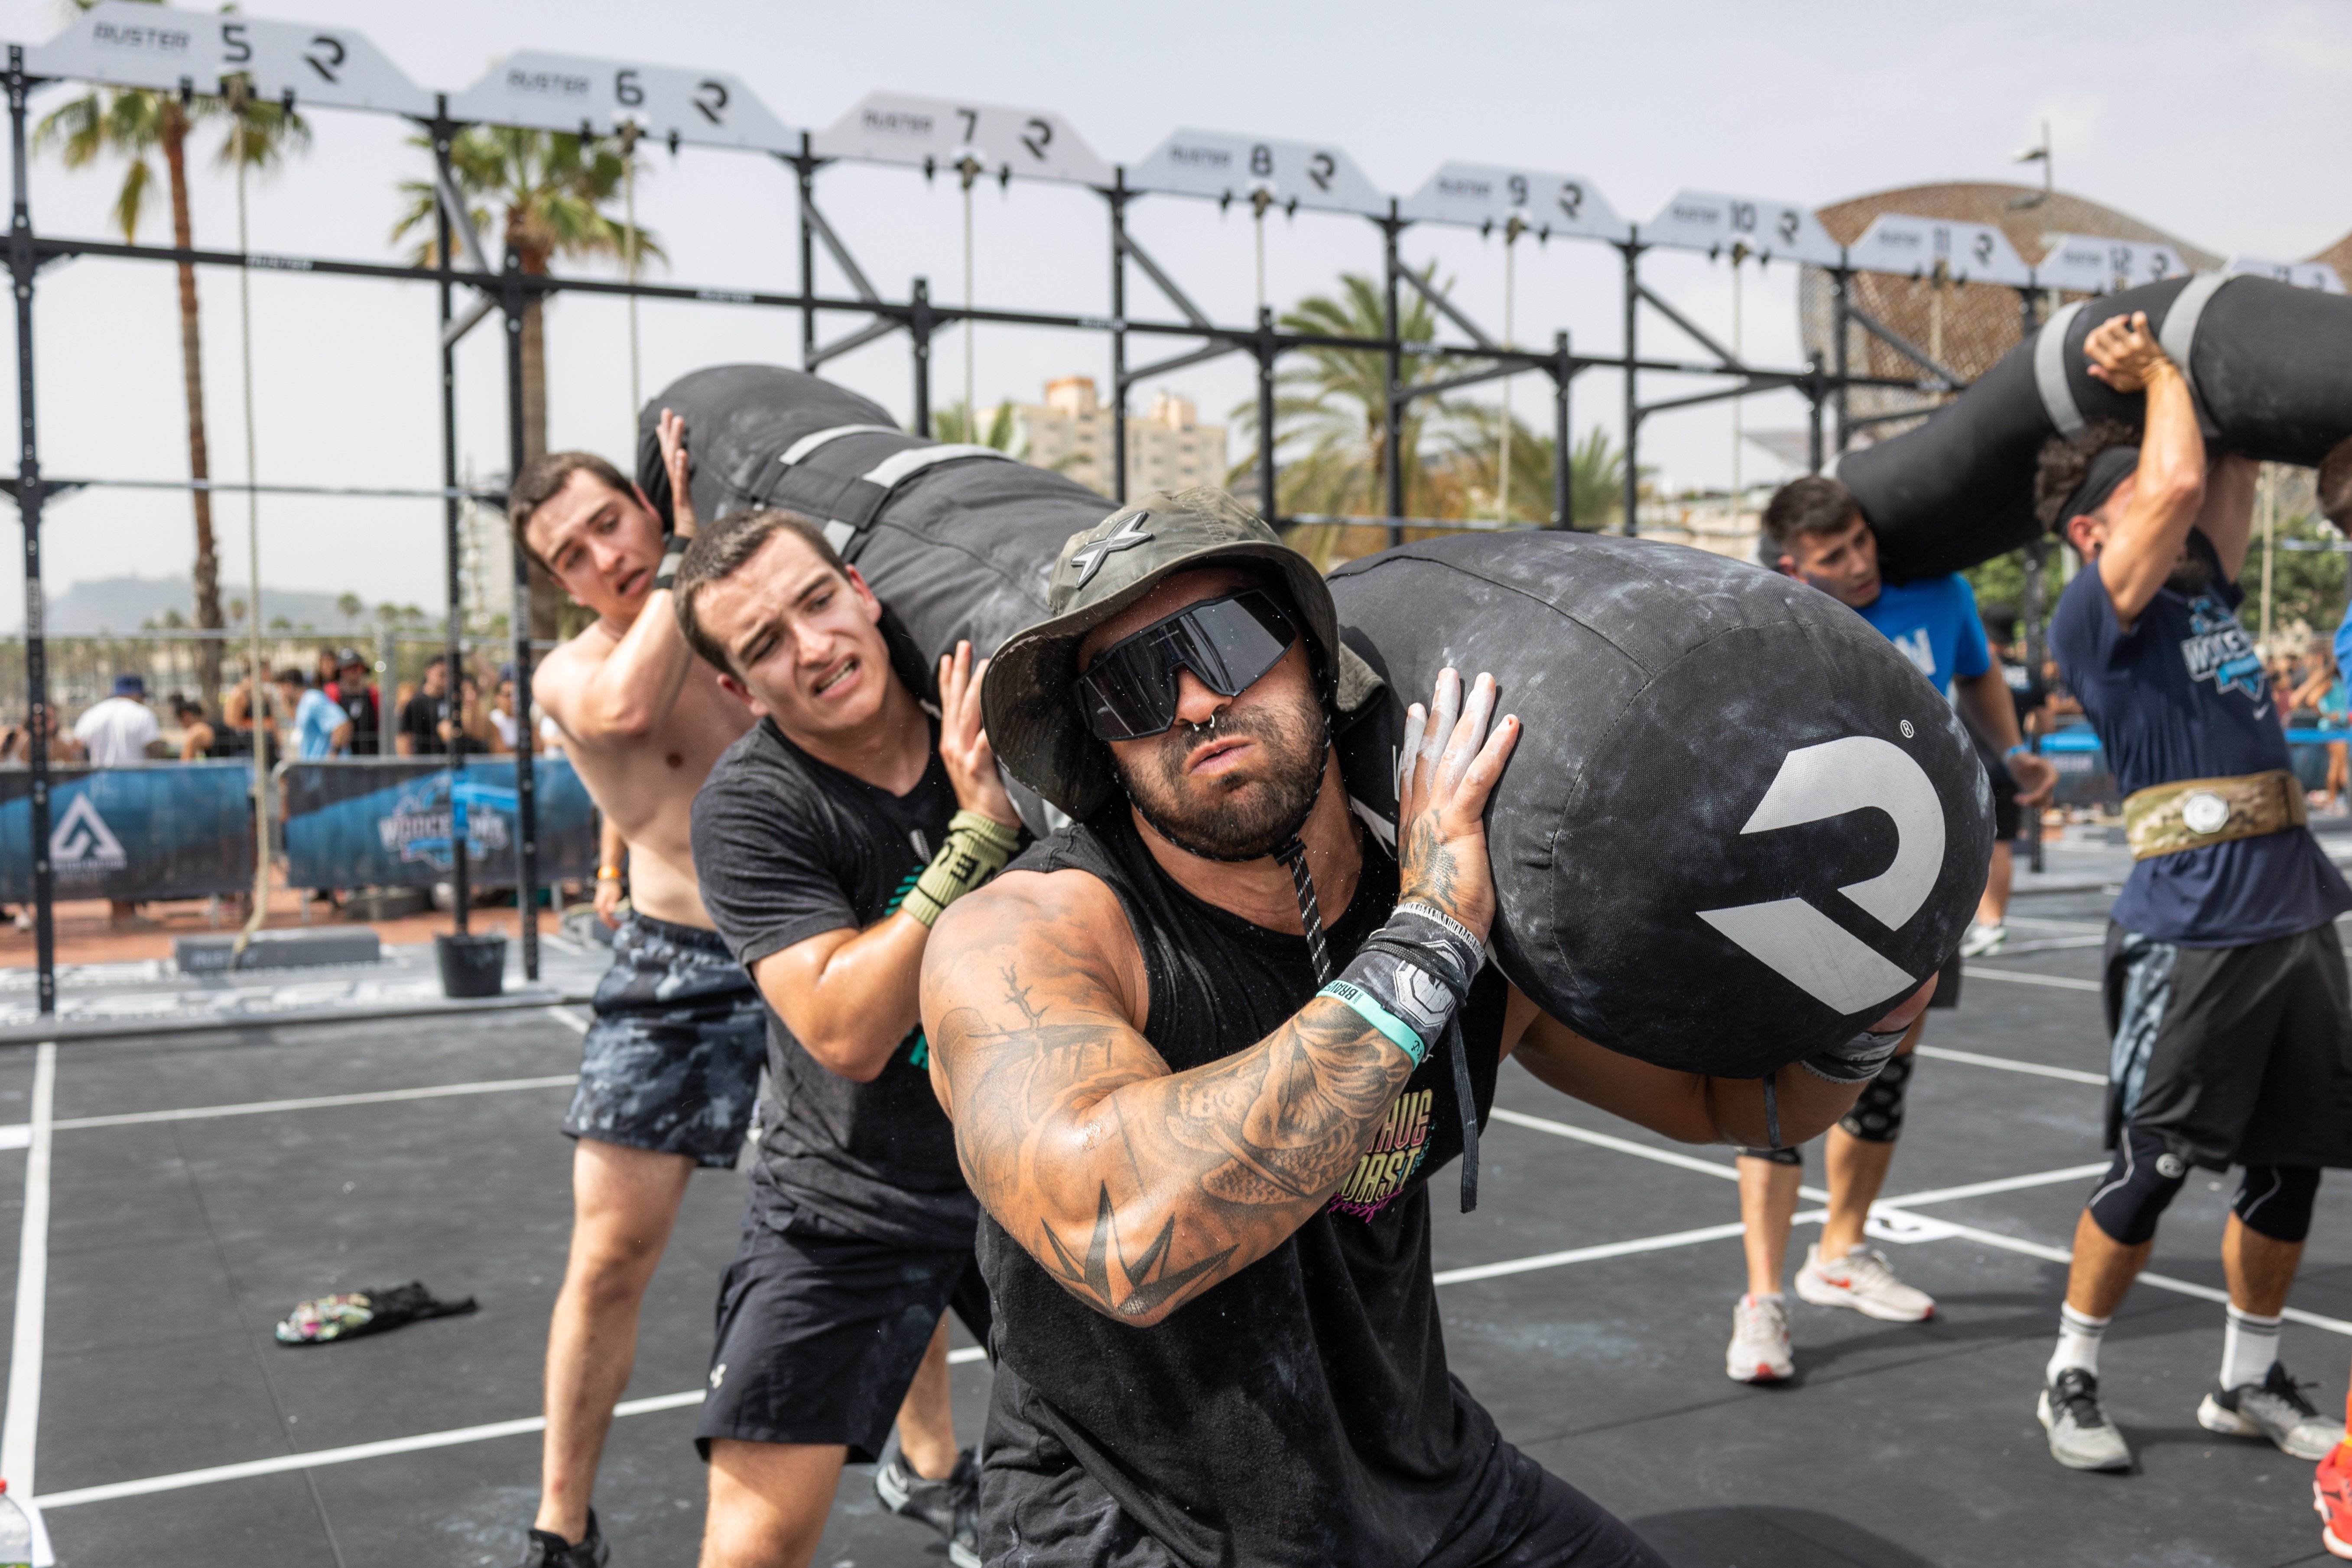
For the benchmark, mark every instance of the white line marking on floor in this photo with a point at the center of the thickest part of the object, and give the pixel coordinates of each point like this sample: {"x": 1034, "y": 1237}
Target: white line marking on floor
{"x": 569, "y": 1018}
{"x": 2010, "y": 1064}
{"x": 21, "y": 1426}
{"x": 317, "y": 1102}
{"x": 2002, "y": 1185}
{"x": 2063, "y": 982}
{"x": 968, "y": 1353}
{"x": 1586, "y": 1254}
{"x": 1993, "y": 1239}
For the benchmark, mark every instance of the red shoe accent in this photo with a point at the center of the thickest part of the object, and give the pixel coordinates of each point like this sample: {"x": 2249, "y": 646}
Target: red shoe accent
{"x": 2331, "y": 1496}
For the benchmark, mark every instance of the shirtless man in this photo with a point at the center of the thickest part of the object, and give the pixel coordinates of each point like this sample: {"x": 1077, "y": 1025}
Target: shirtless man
{"x": 670, "y": 1067}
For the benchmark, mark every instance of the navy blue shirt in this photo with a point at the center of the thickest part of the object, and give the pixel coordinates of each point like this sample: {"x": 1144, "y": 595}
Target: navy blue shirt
{"x": 2182, "y": 696}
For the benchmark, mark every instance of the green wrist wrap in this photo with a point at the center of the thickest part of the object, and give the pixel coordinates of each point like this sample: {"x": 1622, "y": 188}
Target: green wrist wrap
{"x": 977, "y": 847}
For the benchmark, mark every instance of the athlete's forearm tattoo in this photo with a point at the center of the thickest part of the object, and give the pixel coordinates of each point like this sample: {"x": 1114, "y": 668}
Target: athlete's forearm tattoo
{"x": 1137, "y": 1189}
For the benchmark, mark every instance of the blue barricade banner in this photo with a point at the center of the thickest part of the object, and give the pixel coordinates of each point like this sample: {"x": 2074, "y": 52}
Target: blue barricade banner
{"x": 158, "y": 830}
{"x": 388, "y": 823}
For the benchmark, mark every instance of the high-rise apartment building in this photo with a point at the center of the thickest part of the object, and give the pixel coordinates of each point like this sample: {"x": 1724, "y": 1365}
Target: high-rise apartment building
{"x": 1167, "y": 447}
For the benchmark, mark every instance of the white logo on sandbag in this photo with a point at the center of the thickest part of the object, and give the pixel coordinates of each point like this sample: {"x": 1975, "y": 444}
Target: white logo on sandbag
{"x": 83, "y": 844}
{"x": 1792, "y": 937}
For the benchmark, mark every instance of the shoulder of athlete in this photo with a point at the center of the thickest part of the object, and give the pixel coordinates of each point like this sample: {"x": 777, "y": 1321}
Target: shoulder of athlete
{"x": 1062, "y": 933}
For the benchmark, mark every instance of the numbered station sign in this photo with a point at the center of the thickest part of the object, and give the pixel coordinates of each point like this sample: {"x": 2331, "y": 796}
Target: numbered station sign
{"x": 567, "y": 92}
{"x": 1713, "y": 222}
{"x": 123, "y": 43}
{"x": 1483, "y": 196}
{"x": 2095, "y": 264}
{"x": 1923, "y": 246}
{"x": 1226, "y": 167}
{"x": 940, "y": 133}
{"x": 2302, "y": 274}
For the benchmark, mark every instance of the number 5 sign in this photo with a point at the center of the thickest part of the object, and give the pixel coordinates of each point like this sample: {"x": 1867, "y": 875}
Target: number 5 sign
{"x": 566, "y": 93}
{"x": 1223, "y": 166}
{"x": 939, "y": 134}
{"x": 130, "y": 45}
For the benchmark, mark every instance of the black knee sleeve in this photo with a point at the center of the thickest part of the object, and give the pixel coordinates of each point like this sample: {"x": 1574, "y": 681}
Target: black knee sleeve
{"x": 1774, "y": 1156}
{"x": 2276, "y": 1200}
{"x": 1877, "y": 1113}
{"x": 2138, "y": 1187}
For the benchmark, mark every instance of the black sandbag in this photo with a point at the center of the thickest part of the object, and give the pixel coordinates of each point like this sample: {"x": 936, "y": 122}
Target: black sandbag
{"x": 1664, "y": 691}
{"x": 958, "y": 550}
{"x": 2270, "y": 366}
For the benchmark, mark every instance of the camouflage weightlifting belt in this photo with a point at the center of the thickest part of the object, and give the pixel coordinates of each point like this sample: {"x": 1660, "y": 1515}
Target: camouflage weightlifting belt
{"x": 2189, "y": 814}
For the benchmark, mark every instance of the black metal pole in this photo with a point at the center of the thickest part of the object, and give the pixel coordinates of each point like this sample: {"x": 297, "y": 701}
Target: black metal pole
{"x": 1393, "y": 445}
{"x": 805, "y": 167}
{"x": 1118, "y": 195}
{"x": 526, "y": 799}
{"x": 1839, "y": 278}
{"x": 1632, "y": 249}
{"x": 918, "y": 328}
{"x": 1563, "y": 453}
{"x": 452, "y": 528}
{"x": 28, "y": 506}
{"x": 1813, "y": 391}
{"x": 1265, "y": 475}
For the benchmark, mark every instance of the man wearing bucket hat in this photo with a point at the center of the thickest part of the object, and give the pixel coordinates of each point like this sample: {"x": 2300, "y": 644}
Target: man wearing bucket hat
{"x": 1202, "y": 1122}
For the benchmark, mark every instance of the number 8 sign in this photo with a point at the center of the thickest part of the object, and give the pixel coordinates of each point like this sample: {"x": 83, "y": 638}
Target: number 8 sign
{"x": 1223, "y": 166}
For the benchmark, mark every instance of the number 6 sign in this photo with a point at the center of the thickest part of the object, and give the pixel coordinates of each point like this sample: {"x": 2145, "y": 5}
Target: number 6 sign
{"x": 566, "y": 93}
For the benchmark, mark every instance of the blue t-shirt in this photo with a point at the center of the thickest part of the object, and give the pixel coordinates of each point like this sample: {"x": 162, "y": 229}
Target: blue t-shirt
{"x": 316, "y": 718}
{"x": 1934, "y": 621}
{"x": 2182, "y": 696}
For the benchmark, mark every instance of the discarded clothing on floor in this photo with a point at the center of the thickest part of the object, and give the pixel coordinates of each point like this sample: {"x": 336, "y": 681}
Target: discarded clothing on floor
{"x": 348, "y": 1314}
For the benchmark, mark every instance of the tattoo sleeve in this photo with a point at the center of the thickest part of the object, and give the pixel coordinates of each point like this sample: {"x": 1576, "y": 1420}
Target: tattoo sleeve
{"x": 1135, "y": 1189}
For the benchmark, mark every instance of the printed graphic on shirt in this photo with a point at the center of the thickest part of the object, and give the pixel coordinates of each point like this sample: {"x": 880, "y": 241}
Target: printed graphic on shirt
{"x": 1918, "y": 649}
{"x": 2217, "y": 649}
{"x": 1395, "y": 1154}
{"x": 918, "y": 1049}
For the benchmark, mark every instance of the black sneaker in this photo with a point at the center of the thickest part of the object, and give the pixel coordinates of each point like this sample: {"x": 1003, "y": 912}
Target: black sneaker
{"x": 950, "y": 1506}
{"x": 545, "y": 1549}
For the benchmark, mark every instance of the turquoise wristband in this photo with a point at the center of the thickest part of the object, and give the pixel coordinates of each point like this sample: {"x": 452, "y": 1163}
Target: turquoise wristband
{"x": 1394, "y": 1029}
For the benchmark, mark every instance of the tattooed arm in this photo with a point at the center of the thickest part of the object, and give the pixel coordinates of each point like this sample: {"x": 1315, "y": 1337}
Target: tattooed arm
{"x": 1692, "y": 1108}
{"x": 1138, "y": 1189}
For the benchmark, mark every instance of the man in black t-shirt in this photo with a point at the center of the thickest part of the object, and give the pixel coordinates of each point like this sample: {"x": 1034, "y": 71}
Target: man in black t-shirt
{"x": 359, "y": 701}
{"x": 421, "y": 715}
{"x": 827, "y": 840}
{"x": 1206, "y": 1180}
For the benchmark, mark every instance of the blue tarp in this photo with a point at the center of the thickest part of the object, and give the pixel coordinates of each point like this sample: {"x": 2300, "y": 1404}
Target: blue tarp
{"x": 156, "y": 830}
{"x": 388, "y": 823}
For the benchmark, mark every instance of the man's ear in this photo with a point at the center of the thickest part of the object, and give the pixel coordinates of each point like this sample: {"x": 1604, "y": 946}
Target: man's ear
{"x": 741, "y": 692}
{"x": 857, "y": 583}
{"x": 1786, "y": 564}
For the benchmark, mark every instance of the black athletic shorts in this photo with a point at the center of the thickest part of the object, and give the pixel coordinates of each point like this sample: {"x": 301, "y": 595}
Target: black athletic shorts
{"x": 821, "y": 1331}
{"x": 672, "y": 1062}
{"x": 1039, "y": 1508}
{"x": 2233, "y": 1055}
{"x": 1948, "y": 985}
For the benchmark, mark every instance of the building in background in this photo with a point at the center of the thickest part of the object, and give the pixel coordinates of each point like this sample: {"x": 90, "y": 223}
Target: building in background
{"x": 1167, "y": 447}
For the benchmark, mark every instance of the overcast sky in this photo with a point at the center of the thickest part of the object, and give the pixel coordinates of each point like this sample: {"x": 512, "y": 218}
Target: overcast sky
{"x": 2224, "y": 124}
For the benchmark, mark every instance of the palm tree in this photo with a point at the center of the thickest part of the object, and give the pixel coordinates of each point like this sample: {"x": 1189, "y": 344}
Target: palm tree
{"x": 954, "y": 423}
{"x": 135, "y": 123}
{"x": 1334, "y": 403}
{"x": 548, "y": 190}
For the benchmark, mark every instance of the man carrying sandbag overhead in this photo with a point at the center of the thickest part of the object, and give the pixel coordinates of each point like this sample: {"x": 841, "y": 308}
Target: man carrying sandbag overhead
{"x": 1815, "y": 533}
{"x": 670, "y": 1065}
{"x": 830, "y": 837}
{"x": 2226, "y": 994}
{"x": 1204, "y": 1050}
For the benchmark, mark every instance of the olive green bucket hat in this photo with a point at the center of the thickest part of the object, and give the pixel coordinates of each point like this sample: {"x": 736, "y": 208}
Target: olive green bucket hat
{"x": 1026, "y": 700}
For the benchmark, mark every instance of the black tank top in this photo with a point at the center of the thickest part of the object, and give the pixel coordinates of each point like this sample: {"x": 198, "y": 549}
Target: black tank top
{"x": 1301, "y": 1412}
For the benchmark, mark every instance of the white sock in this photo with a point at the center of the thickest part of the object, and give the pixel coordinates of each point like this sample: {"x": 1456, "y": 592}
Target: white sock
{"x": 1756, "y": 1300}
{"x": 2249, "y": 1347}
{"x": 2078, "y": 1343}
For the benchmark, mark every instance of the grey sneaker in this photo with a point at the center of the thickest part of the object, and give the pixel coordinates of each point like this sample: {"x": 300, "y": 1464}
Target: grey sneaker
{"x": 1760, "y": 1341}
{"x": 2273, "y": 1409}
{"x": 950, "y": 1506}
{"x": 2081, "y": 1435}
{"x": 545, "y": 1549}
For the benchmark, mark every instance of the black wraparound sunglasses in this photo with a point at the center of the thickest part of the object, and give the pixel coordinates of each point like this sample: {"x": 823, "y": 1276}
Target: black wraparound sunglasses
{"x": 1128, "y": 693}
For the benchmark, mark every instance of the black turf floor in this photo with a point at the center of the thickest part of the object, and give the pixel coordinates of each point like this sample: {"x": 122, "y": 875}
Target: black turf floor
{"x": 176, "y": 1245}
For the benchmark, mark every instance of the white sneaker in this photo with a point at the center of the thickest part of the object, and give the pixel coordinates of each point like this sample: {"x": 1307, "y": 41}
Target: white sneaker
{"x": 1760, "y": 1341}
{"x": 1984, "y": 941}
{"x": 1863, "y": 1281}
